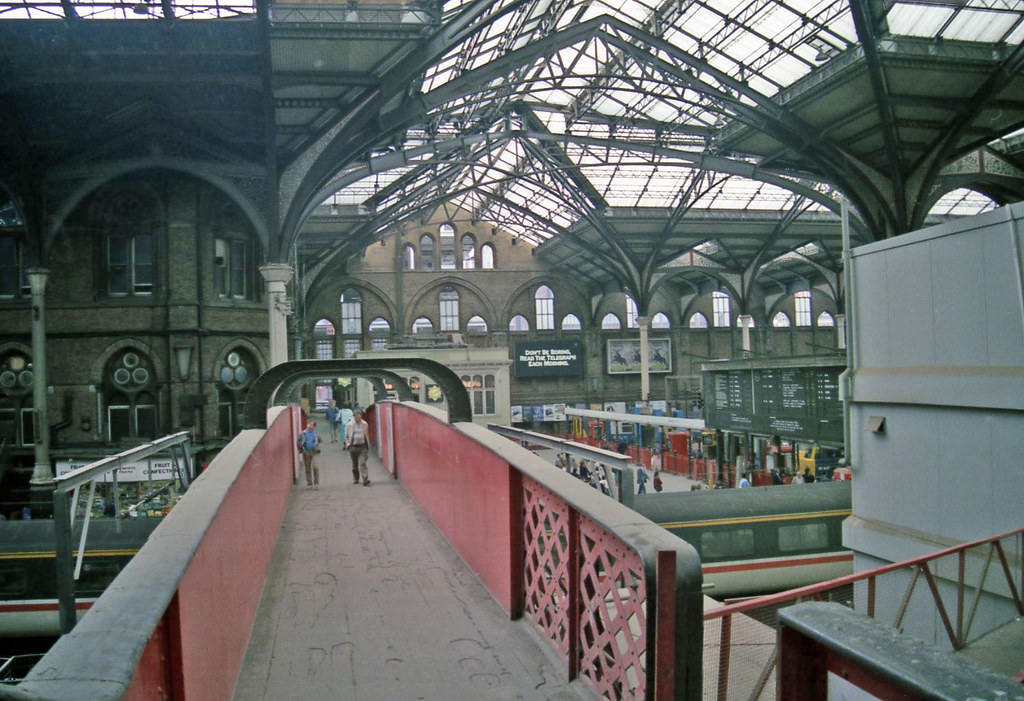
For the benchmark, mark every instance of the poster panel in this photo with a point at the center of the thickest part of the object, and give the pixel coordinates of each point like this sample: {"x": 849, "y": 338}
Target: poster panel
{"x": 624, "y": 355}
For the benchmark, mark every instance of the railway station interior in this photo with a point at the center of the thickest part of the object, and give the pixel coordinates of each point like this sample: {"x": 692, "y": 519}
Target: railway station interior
{"x": 742, "y": 240}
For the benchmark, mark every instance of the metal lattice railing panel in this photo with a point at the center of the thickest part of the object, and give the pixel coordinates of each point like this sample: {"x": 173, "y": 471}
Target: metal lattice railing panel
{"x": 613, "y": 623}
{"x": 546, "y": 576}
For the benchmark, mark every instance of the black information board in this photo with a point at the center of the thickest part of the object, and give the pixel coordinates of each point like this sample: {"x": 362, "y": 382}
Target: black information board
{"x": 796, "y": 403}
{"x": 554, "y": 358}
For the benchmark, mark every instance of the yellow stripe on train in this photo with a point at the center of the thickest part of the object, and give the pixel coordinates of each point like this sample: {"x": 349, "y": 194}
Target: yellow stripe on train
{"x": 756, "y": 519}
{"x": 39, "y": 554}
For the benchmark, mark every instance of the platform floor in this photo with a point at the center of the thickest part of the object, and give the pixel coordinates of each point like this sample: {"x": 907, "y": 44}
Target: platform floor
{"x": 365, "y": 600}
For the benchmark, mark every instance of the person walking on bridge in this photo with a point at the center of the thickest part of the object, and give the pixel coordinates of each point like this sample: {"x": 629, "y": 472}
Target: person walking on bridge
{"x": 357, "y": 438}
{"x": 309, "y": 445}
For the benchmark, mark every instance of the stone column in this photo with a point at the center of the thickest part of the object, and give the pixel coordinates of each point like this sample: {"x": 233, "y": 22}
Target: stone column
{"x": 277, "y": 276}
{"x": 644, "y": 322}
{"x": 42, "y": 473}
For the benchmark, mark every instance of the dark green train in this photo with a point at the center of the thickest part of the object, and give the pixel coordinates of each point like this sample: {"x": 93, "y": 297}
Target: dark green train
{"x": 761, "y": 539}
{"x": 28, "y": 584}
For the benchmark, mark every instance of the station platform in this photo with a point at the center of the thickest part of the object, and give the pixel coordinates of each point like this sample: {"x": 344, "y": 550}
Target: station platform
{"x": 366, "y": 600}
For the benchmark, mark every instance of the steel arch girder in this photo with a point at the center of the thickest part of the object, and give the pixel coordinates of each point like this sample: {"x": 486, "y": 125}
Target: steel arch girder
{"x": 266, "y": 385}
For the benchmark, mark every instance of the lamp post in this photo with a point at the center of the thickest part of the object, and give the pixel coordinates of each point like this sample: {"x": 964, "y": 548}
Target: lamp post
{"x": 41, "y": 483}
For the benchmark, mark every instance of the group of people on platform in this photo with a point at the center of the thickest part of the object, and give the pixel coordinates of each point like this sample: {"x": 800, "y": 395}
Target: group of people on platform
{"x": 346, "y": 426}
{"x": 596, "y": 473}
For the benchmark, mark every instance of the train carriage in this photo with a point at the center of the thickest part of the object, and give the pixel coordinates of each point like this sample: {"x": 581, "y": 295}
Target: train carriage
{"x": 28, "y": 584}
{"x": 762, "y": 539}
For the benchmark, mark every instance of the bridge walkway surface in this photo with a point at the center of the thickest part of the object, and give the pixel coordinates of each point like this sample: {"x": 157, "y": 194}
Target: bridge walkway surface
{"x": 365, "y": 599}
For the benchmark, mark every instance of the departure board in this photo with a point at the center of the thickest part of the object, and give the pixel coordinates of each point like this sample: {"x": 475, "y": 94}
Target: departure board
{"x": 792, "y": 402}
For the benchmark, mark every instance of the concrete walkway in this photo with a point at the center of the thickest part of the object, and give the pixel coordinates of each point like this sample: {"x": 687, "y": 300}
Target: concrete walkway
{"x": 365, "y": 600}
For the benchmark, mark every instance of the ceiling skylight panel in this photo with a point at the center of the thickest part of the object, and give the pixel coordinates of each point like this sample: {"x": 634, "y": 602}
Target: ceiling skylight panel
{"x": 660, "y": 111}
{"x": 776, "y": 21}
{"x": 917, "y": 20}
{"x": 633, "y": 12}
{"x": 724, "y": 63}
{"x": 962, "y": 202}
{"x": 975, "y": 25}
{"x": 566, "y": 20}
{"x": 579, "y": 62}
{"x": 1016, "y": 36}
{"x": 785, "y": 70}
{"x": 763, "y": 85}
{"x": 607, "y": 106}
{"x": 680, "y": 40}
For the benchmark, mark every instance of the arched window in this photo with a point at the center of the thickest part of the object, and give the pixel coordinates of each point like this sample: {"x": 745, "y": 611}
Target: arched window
{"x": 826, "y": 319}
{"x": 802, "y": 300}
{"x": 16, "y": 257}
{"x": 631, "y": 313}
{"x": 780, "y": 320}
{"x": 468, "y": 252}
{"x": 130, "y": 223}
{"x": 351, "y": 312}
{"x": 235, "y": 254}
{"x": 427, "y": 252}
{"x": 129, "y": 385}
{"x": 487, "y": 257}
{"x": 476, "y": 324}
{"x": 519, "y": 323}
{"x": 544, "y": 301}
{"x": 610, "y": 322}
{"x": 447, "y": 235}
{"x": 16, "y": 386}
{"x": 237, "y": 371}
{"x": 720, "y": 309}
{"x": 481, "y": 391}
{"x": 698, "y": 321}
{"x": 380, "y": 330}
{"x": 660, "y": 321}
{"x": 571, "y": 322}
{"x": 323, "y": 337}
{"x": 449, "y": 301}
{"x": 423, "y": 325}
{"x": 409, "y": 257}
{"x": 232, "y": 268}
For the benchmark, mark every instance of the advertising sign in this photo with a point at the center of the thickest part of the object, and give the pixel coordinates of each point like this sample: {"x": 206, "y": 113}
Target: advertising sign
{"x": 141, "y": 471}
{"x": 554, "y": 358}
{"x": 624, "y": 355}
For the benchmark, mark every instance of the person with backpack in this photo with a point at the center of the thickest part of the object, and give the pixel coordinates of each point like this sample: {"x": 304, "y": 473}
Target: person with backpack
{"x": 309, "y": 445}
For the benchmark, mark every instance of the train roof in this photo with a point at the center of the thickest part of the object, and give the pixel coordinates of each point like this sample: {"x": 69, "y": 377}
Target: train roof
{"x": 711, "y": 504}
{"x": 37, "y": 535}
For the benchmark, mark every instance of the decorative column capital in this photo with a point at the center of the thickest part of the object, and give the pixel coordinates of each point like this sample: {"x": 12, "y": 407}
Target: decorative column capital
{"x": 37, "y": 279}
{"x": 276, "y": 273}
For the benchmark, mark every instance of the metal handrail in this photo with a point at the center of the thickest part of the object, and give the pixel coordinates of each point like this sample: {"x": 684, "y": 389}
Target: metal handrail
{"x": 812, "y": 590}
{"x": 64, "y": 510}
{"x": 957, "y": 634}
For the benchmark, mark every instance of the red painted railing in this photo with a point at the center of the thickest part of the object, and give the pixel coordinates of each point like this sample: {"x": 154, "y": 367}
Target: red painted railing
{"x": 164, "y": 628}
{"x": 616, "y": 596}
{"x": 951, "y": 585}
